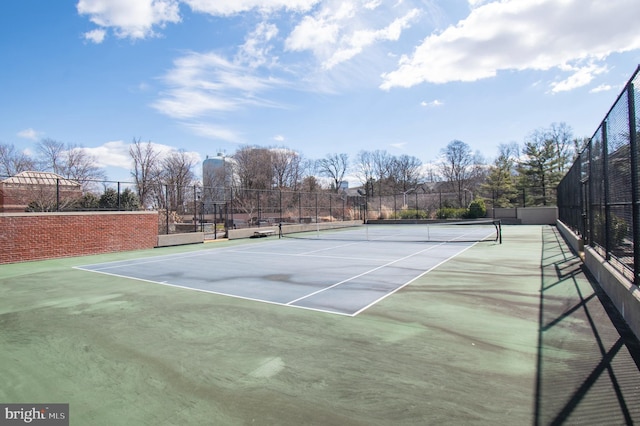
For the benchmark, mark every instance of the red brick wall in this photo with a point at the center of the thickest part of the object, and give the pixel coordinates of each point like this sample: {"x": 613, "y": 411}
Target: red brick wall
{"x": 37, "y": 236}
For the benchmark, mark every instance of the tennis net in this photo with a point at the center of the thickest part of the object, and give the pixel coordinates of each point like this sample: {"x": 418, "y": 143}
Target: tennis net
{"x": 449, "y": 231}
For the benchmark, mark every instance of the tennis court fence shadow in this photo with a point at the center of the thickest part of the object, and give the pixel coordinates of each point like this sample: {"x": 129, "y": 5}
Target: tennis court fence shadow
{"x": 588, "y": 369}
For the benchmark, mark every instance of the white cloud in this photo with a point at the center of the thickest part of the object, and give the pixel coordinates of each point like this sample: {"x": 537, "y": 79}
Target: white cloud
{"x": 601, "y": 88}
{"x": 521, "y": 35}
{"x": 341, "y": 30}
{"x": 312, "y": 34}
{"x": 138, "y": 19}
{"x": 278, "y": 138}
{"x": 581, "y": 77}
{"x": 129, "y": 18}
{"x": 96, "y": 36}
{"x": 433, "y": 103}
{"x": 30, "y": 134}
{"x": 477, "y": 3}
{"x": 202, "y": 83}
{"x": 232, "y": 7}
{"x": 116, "y": 153}
{"x": 354, "y": 43}
{"x": 213, "y": 131}
{"x": 255, "y": 51}
{"x": 111, "y": 154}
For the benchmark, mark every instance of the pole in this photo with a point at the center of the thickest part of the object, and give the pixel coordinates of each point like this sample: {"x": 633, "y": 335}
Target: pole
{"x": 57, "y": 194}
{"x": 166, "y": 201}
{"x": 633, "y": 141}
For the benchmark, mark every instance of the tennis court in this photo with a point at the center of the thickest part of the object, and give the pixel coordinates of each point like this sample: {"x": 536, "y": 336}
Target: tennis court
{"x": 451, "y": 333}
{"x": 342, "y": 272}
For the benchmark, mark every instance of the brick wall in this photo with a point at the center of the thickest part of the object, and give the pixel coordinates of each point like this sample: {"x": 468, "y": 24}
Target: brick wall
{"x": 37, "y": 236}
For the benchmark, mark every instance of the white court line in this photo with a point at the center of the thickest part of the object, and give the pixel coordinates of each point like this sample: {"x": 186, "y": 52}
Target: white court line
{"x": 201, "y": 290}
{"x": 364, "y": 273}
{"x": 160, "y": 258}
{"x": 177, "y": 256}
{"x": 411, "y": 280}
{"x": 309, "y": 254}
{"x": 145, "y": 260}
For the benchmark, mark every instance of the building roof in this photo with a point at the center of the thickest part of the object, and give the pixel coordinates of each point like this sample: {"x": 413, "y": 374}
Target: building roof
{"x": 39, "y": 178}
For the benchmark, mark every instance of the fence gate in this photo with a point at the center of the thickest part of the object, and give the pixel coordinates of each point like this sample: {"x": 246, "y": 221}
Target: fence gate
{"x": 218, "y": 214}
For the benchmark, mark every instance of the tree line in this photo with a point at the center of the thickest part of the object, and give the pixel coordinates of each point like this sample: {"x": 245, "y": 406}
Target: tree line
{"x": 526, "y": 174}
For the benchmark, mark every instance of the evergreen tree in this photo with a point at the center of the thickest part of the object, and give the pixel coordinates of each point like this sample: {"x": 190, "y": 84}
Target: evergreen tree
{"x": 109, "y": 199}
{"x": 129, "y": 200}
{"x": 539, "y": 172}
{"x": 500, "y": 184}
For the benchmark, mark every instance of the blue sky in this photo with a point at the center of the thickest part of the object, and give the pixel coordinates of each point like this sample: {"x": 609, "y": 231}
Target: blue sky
{"x": 316, "y": 76}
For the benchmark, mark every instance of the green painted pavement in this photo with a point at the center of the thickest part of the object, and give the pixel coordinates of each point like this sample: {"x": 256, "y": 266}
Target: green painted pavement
{"x": 511, "y": 334}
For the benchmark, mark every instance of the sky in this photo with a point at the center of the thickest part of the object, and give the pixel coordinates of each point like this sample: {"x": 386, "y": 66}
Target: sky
{"x": 316, "y": 76}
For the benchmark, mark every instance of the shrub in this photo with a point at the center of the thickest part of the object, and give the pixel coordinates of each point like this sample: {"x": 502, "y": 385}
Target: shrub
{"x": 412, "y": 214}
{"x": 451, "y": 213}
{"x": 477, "y": 209}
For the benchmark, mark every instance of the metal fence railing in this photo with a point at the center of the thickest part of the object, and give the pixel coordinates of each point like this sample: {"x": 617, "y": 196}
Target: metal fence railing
{"x": 599, "y": 198}
{"x": 213, "y": 210}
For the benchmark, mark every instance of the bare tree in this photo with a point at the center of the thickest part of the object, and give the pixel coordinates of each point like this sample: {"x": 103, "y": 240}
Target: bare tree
{"x": 70, "y": 161}
{"x": 562, "y": 136}
{"x": 382, "y": 164}
{"x": 13, "y": 162}
{"x": 81, "y": 167}
{"x": 406, "y": 172}
{"x": 310, "y": 184}
{"x": 254, "y": 167}
{"x": 458, "y": 167}
{"x": 365, "y": 170}
{"x": 334, "y": 166}
{"x": 287, "y": 168}
{"x": 146, "y": 170}
{"x": 177, "y": 174}
{"x": 51, "y": 153}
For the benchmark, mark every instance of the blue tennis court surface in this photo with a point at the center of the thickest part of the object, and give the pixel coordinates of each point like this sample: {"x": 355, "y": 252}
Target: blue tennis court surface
{"x": 329, "y": 276}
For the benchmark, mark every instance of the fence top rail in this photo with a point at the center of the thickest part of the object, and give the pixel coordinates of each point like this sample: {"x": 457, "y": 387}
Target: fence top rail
{"x": 79, "y": 213}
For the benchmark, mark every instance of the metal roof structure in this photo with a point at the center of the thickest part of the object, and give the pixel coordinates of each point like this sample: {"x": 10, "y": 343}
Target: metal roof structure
{"x": 40, "y": 178}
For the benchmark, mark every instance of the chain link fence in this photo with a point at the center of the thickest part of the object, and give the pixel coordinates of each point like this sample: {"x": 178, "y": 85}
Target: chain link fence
{"x": 214, "y": 210}
{"x": 599, "y": 197}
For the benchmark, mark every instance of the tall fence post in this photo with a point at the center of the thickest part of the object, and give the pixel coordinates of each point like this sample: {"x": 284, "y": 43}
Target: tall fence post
{"x": 633, "y": 141}
{"x": 57, "y": 194}
{"x": 589, "y": 197}
{"x": 195, "y": 209}
{"x": 605, "y": 180}
{"x": 166, "y": 190}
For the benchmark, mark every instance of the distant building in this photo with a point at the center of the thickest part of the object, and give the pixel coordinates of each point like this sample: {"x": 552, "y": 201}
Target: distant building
{"x": 218, "y": 171}
{"x": 42, "y": 189}
{"x": 218, "y": 177}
